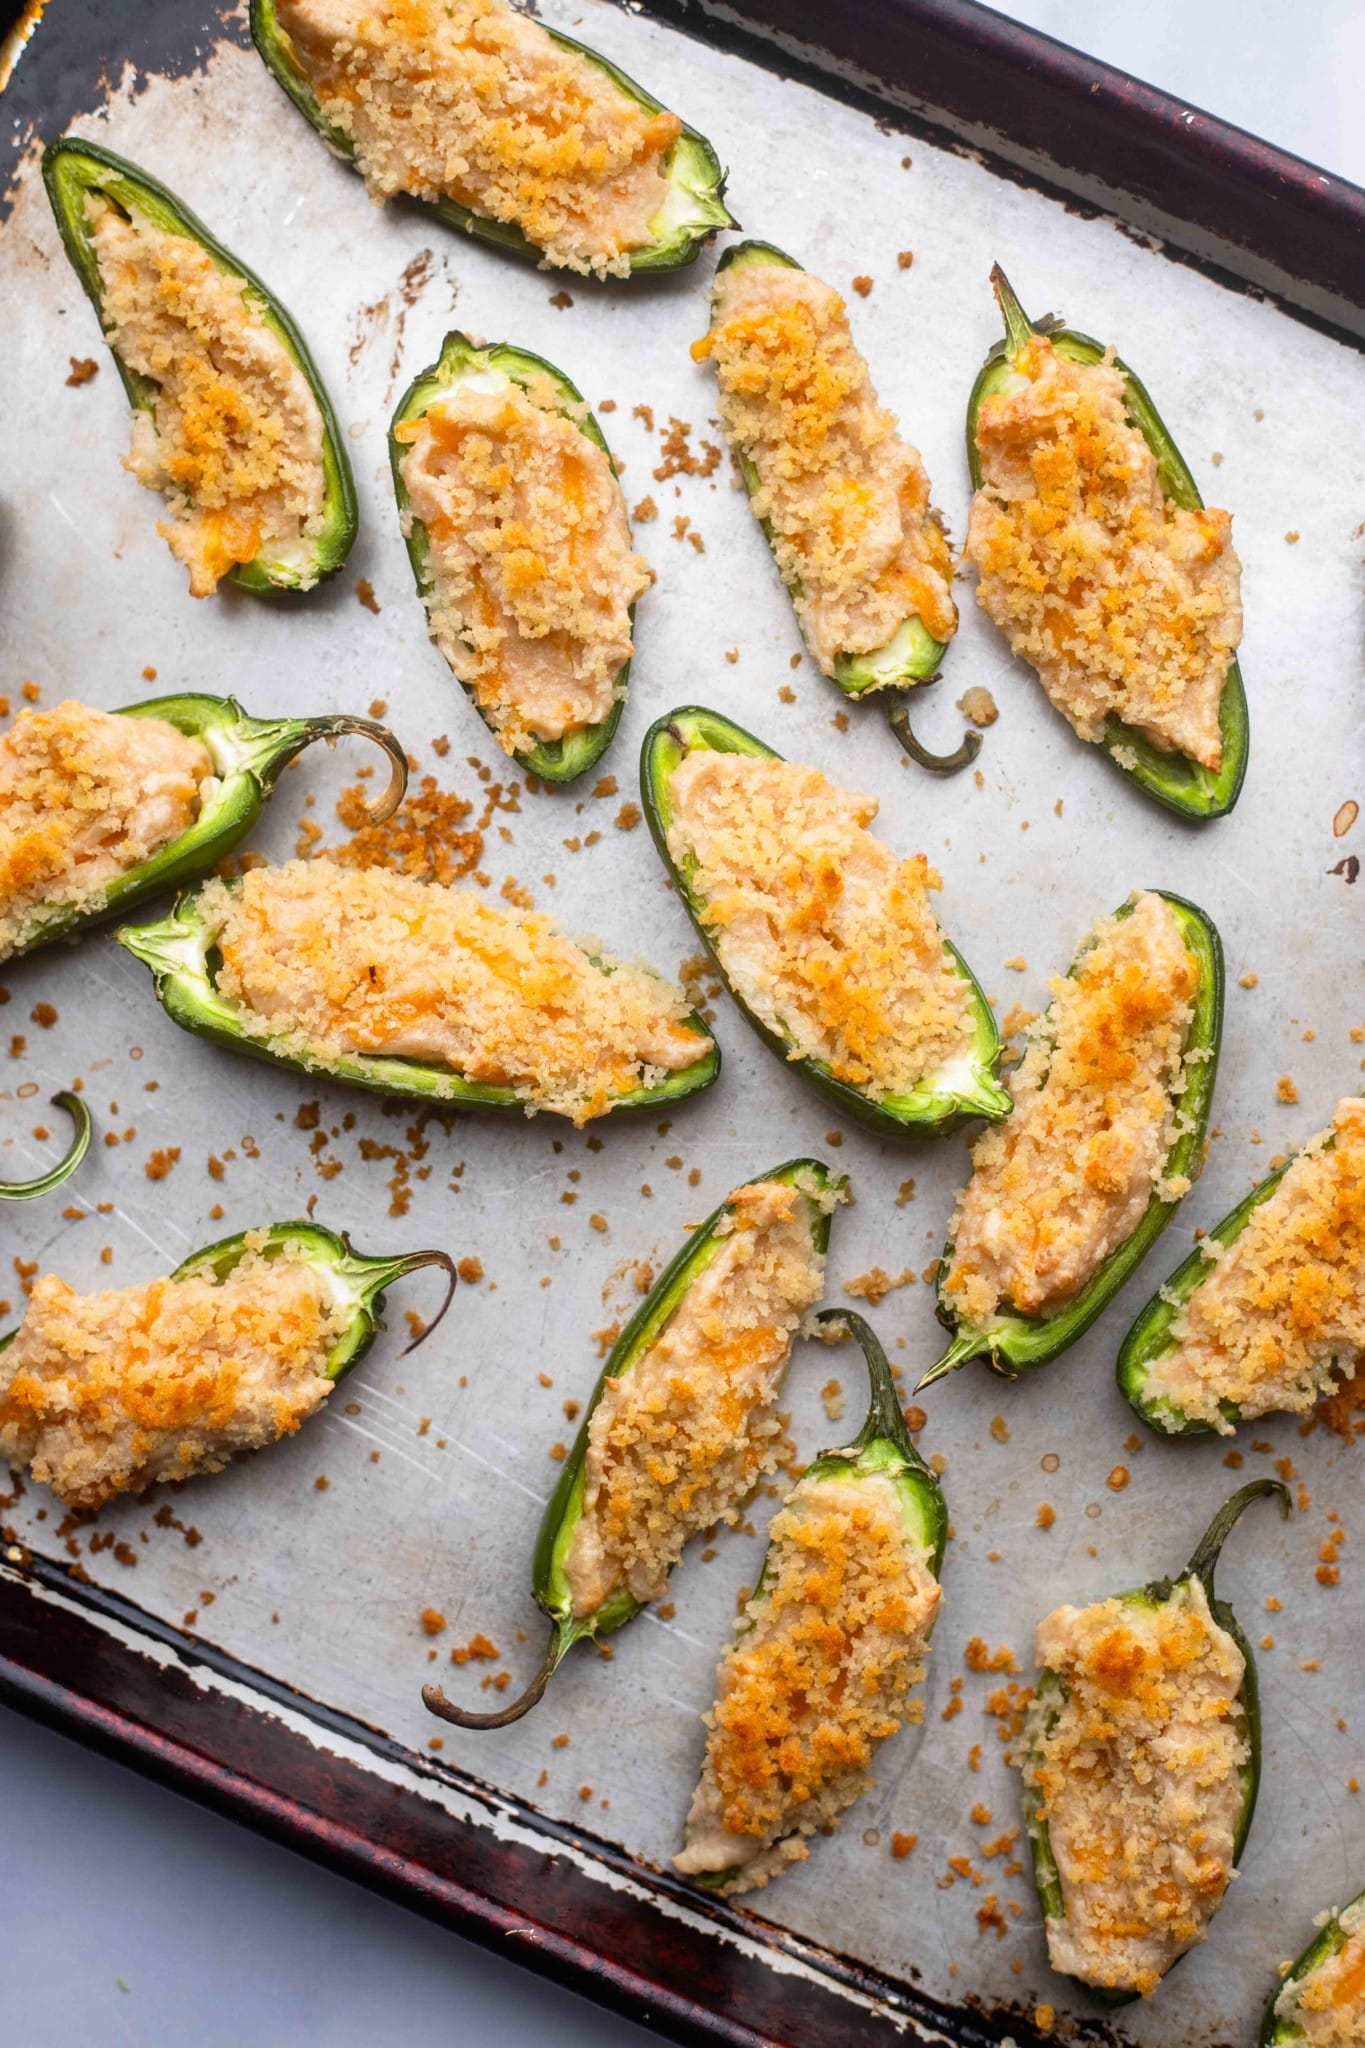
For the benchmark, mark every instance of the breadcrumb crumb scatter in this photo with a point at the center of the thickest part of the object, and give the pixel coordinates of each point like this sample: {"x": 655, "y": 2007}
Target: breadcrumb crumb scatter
{"x": 471, "y": 101}
{"x": 1066, "y": 1179}
{"x": 1282, "y": 1309}
{"x": 327, "y": 961}
{"x": 818, "y": 1675}
{"x": 1327, "y": 2007}
{"x": 533, "y": 575}
{"x": 681, "y": 1439}
{"x": 103, "y": 1394}
{"x": 1125, "y": 604}
{"x": 845, "y": 498}
{"x": 1138, "y": 1781}
{"x": 827, "y": 936}
{"x": 84, "y": 796}
{"x": 235, "y": 438}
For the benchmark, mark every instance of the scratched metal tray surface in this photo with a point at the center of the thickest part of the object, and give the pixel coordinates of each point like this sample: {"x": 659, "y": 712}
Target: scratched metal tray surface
{"x": 256, "y": 1637}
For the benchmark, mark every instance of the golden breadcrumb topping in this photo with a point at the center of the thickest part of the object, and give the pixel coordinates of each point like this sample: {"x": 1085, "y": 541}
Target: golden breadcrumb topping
{"x": 235, "y": 438}
{"x": 1283, "y": 1306}
{"x": 819, "y": 1674}
{"x": 1327, "y": 2007}
{"x": 529, "y": 554}
{"x": 1138, "y": 1780}
{"x": 471, "y": 101}
{"x": 681, "y": 1439}
{"x": 827, "y": 937}
{"x": 1125, "y": 604}
{"x": 1066, "y": 1179}
{"x": 84, "y": 797}
{"x": 846, "y": 499}
{"x": 327, "y": 960}
{"x": 103, "y": 1394}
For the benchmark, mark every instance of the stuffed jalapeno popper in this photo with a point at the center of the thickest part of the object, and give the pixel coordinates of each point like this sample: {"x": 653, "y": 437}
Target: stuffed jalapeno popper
{"x": 99, "y": 809}
{"x": 827, "y": 1652}
{"x": 518, "y": 537}
{"x": 500, "y": 126}
{"x": 44, "y": 1183}
{"x": 1321, "y": 2002}
{"x": 102, "y": 1394}
{"x": 1101, "y": 564}
{"x": 231, "y": 423}
{"x": 841, "y": 497}
{"x": 415, "y": 989}
{"x": 1270, "y": 1306}
{"x": 1140, "y": 1761}
{"x": 824, "y": 937}
{"x": 682, "y": 1424}
{"x": 1111, "y": 1101}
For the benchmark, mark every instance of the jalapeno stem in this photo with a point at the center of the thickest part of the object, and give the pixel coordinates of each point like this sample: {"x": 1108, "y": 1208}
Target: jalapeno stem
{"x": 335, "y": 727}
{"x": 1019, "y": 329}
{"x": 959, "y": 1351}
{"x": 937, "y": 764}
{"x": 1205, "y": 1559}
{"x": 884, "y": 1417}
{"x": 563, "y": 1634}
{"x": 75, "y": 1107}
{"x": 413, "y": 1263}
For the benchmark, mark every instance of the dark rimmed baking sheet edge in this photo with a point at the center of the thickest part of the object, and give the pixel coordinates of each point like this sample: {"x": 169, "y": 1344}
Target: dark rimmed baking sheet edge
{"x": 102, "y": 1670}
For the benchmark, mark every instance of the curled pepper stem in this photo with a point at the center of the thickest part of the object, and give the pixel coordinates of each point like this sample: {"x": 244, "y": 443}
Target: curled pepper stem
{"x": 23, "y": 1190}
{"x": 562, "y": 1635}
{"x": 414, "y": 1263}
{"x": 1205, "y": 1559}
{"x": 884, "y": 1417}
{"x": 936, "y": 764}
{"x": 337, "y": 726}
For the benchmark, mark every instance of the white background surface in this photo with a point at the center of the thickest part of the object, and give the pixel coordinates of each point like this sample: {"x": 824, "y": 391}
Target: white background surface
{"x": 147, "y": 1923}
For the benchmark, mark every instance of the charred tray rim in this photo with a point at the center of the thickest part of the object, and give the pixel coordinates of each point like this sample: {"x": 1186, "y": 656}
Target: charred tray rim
{"x": 96, "y": 1667}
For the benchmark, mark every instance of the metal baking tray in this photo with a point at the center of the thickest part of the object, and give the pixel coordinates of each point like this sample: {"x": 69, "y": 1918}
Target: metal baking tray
{"x": 1230, "y": 276}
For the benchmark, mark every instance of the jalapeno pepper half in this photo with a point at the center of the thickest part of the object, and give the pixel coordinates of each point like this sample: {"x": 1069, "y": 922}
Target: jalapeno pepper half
{"x": 912, "y": 656}
{"x": 44, "y": 1183}
{"x": 1011, "y": 1343}
{"x": 942, "y": 1100}
{"x": 248, "y": 755}
{"x": 1152, "y": 1334}
{"x": 461, "y": 360}
{"x": 1050, "y": 1695}
{"x": 71, "y": 169}
{"x": 182, "y": 954}
{"x": 881, "y": 1451}
{"x": 1172, "y": 779}
{"x": 694, "y": 210}
{"x": 1345, "y": 1987}
{"x": 549, "y": 1571}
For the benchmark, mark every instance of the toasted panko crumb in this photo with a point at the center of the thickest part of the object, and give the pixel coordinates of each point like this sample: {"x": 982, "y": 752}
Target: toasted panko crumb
{"x": 1136, "y": 1767}
{"x": 845, "y": 499}
{"x": 234, "y": 438}
{"x": 827, "y": 937}
{"x": 1281, "y": 1311}
{"x": 1066, "y": 1179}
{"x": 84, "y": 796}
{"x": 107, "y": 1393}
{"x": 819, "y": 1674}
{"x": 1127, "y": 606}
{"x": 473, "y": 101}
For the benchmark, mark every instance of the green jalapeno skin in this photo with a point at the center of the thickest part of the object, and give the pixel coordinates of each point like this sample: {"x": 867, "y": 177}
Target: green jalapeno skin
{"x": 1330, "y": 1940}
{"x": 44, "y": 1183}
{"x": 247, "y": 756}
{"x": 935, "y": 1107}
{"x": 1013, "y": 1344}
{"x": 71, "y": 168}
{"x": 560, "y": 760}
{"x": 563, "y": 1510}
{"x": 882, "y": 1449}
{"x": 181, "y": 952}
{"x": 1172, "y": 779}
{"x": 1050, "y": 1694}
{"x": 912, "y": 656}
{"x": 693, "y": 212}
{"x": 355, "y": 1280}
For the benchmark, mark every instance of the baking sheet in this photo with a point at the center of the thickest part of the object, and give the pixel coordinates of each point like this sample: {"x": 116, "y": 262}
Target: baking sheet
{"x": 324, "y": 1587}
